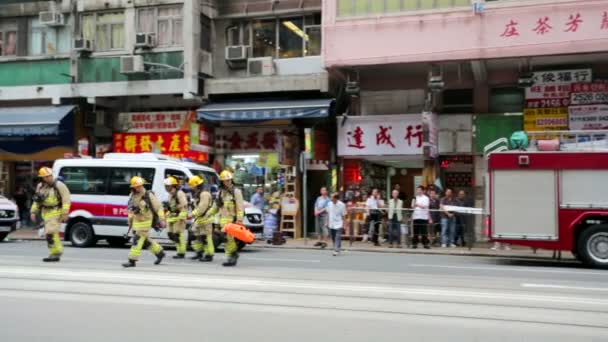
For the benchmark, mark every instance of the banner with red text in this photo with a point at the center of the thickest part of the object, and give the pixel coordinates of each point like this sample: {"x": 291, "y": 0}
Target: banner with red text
{"x": 174, "y": 144}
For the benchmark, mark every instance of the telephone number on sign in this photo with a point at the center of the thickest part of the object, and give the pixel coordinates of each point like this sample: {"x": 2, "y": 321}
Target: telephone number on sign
{"x": 589, "y": 98}
{"x": 551, "y": 122}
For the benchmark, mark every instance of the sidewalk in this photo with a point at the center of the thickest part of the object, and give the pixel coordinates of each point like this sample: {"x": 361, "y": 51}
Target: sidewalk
{"x": 480, "y": 249}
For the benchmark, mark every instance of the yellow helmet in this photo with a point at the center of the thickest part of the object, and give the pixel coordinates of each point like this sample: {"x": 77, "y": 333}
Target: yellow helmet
{"x": 45, "y": 172}
{"x": 137, "y": 181}
{"x": 170, "y": 181}
{"x": 195, "y": 181}
{"x": 225, "y": 175}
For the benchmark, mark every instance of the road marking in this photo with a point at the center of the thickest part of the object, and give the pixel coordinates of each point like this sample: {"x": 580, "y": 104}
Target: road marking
{"x": 507, "y": 268}
{"x": 68, "y": 258}
{"x": 550, "y": 286}
{"x": 282, "y": 260}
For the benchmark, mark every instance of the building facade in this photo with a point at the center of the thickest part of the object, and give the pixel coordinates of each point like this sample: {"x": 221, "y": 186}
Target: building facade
{"x": 487, "y": 68}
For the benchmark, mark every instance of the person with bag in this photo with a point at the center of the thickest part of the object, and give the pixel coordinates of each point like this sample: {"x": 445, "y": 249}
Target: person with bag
{"x": 230, "y": 206}
{"x": 177, "y": 214}
{"x": 203, "y": 215}
{"x": 395, "y": 216}
{"x": 52, "y": 200}
{"x": 145, "y": 212}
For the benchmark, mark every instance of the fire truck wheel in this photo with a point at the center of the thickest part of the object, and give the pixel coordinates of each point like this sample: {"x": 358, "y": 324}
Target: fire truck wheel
{"x": 593, "y": 246}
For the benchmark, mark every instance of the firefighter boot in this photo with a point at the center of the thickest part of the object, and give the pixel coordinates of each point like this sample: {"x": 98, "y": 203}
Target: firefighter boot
{"x": 52, "y": 258}
{"x": 130, "y": 263}
{"x": 159, "y": 257}
{"x": 179, "y": 256}
{"x": 197, "y": 256}
{"x": 231, "y": 260}
{"x": 206, "y": 258}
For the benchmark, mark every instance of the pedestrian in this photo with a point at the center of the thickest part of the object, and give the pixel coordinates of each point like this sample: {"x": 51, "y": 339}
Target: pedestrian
{"x": 435, "y": 216}
{"x": 229, "y": 204}
{"x": 144, "y": 209}
{"x": 203, "y": 216}
{"x": 321, "y": 218}
{"x": 177, "y": 214}
{"x": 448, "y": 219}
{"x": 464, "y": 228}
{"x": 420, "y": 218}
{"x": 52, "y": 200}
{"x": 372, "y": 221}
{"x": 257, "y": 200}
{"x": 336, "y": 214}
{"x": 401, "y": 193}
{"x": 21, "y": 201}
{"x": 395, "y": 216}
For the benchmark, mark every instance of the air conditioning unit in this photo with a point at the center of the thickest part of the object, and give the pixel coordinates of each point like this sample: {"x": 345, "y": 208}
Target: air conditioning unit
{"x": 51, "y": 18}
{"x": 236, "y": 53}
{"x": 263, "y": 66}
{"x": 145, "y": 40}
{"x": 84, "y": 45}
{"x": 131, "y": 64}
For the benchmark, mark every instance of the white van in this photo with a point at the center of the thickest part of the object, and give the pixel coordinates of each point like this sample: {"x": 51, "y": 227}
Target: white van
{"x": 100, "y": 190}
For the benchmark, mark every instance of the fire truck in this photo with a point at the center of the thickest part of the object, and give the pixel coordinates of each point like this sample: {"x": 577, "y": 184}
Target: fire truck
{"x": 552, "y": 195}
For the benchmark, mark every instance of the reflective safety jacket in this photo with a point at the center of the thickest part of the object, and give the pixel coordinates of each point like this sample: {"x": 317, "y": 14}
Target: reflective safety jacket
{"x": 232, "y": 205}
{"x": 178, "y": 207}
{"x": 141, "y": 208}
{"x": 54, "y": 200}
{"x": 204, "y": 208}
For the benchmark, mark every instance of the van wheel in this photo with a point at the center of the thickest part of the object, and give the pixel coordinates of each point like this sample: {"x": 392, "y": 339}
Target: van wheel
{"x": 82, "y": 235}
{"x": 593, "y": 246}
{"x": 3, "y": 236}
{"x": 116, "y": 241}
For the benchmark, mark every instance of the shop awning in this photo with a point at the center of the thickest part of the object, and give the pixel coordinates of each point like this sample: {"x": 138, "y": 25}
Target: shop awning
{"x": 265, "y": 110}
{"x": 20, "y": 121}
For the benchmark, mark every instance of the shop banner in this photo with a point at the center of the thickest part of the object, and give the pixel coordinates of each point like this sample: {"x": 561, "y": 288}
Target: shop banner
{"x": 556, "y": 84}
{"x": 588, "y": 117}
{"x": 247, "y": 139}
{"x": 547, "y": 103}
{"x": 201, "y": 138}
{"x": 381, "y": 135}
{"x": 589, "y": 93}
{"x": 139, "y": 122}
{"x": 174, "y": 144}
{"x": 546, "y": 119}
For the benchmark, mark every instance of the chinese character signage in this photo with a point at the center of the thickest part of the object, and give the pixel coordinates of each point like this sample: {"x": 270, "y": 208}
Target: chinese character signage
{"x": 201, "y": 138}
{"x": 589, "y": 93}
{"x": 381, "y": 135}
{"x": 546, "y": 119}
{"x": 247, "y": 139}
{"x": 552, "y": 89}
{"x": 174, "y": 144}
{"x": 546, "y": 26}
{"x": 154, "y": 121}
{"x": 588, "y": 117}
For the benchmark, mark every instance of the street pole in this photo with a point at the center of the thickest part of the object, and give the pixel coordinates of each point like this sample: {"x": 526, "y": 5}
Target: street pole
{"x": 304, "y": 196}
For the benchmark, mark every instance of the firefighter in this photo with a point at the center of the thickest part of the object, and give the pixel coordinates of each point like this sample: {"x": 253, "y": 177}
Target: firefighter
{"x": 177, "y": 208}
{"x": 203, "y": 215}
{"x": 144, "y": 210}
{"x": 229, "y": 203}
{"x": 52, "y": 199}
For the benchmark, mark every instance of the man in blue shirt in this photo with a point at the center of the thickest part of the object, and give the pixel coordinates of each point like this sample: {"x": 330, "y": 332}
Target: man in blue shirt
{"x": 257, "y": 200}
{"x": 321, "y": 218}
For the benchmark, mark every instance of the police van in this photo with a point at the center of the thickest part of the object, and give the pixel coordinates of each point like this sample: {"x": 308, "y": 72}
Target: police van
{"x": 100, "y": 191}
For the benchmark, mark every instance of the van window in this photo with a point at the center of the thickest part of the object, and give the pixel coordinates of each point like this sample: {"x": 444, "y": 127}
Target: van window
{"x": 181, "y": 176}
{"x": 120, "y": 179}
{"x": 85, "y": 180}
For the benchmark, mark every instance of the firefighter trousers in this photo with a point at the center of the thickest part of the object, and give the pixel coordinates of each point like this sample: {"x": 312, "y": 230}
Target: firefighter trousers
{"x": 176, "y": 234}
{"x": 203, "y": 242}
{"x": 142, "y": 240}
{"x": 52, "y": 223}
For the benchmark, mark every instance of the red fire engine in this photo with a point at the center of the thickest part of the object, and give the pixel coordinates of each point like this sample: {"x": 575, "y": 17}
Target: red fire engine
{"x": 552, "y": 196}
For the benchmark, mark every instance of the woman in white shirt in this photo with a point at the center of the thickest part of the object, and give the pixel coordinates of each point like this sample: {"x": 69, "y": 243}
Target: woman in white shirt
{"x": 395, "y": 216}
{"x": 336, "y": 210}
{"x": 421, "y": 218}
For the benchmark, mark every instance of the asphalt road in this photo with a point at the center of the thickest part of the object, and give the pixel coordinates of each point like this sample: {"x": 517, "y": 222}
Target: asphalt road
{"x": 296, "y": 295}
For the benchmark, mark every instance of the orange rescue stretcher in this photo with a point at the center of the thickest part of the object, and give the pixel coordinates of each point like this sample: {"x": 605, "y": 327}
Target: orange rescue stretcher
{"x": 239, "y": 232}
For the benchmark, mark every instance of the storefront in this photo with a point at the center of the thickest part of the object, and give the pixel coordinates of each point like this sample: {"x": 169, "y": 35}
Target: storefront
{"x": 168, "y": 133}
{"x": 32, "y": 137}
{"x": 379, "y": 151}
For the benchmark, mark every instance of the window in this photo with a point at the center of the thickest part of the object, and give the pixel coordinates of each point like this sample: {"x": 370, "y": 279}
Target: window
{"x": 239, "y": 34}
{"x": 209, "y": 177}
{"x": 312, "y": 38}
{"x": 377, "y": 7}
{"x": 8, "y": 38}
{"x": 46, "y": 40}
{"x": 179, "y": 175}
{"x": 291, "y": 37}
{"x": 457, "y": 101}
{"x": 264, "y": 38}
{"x": 107, "y": 29}
{"x": 120, "y": 179}
{"x": 85, "y": 180}
{"x": 165, "y": 22}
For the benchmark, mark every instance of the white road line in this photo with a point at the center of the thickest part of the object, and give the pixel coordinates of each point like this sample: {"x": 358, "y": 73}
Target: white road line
{"x": 281, "y": 260}
{"x": 549, "y": 286}
{"x": 507, "y": 268}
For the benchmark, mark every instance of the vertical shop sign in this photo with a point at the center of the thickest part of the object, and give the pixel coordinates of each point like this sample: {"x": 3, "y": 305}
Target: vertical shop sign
{"x": 309, "y": 143}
